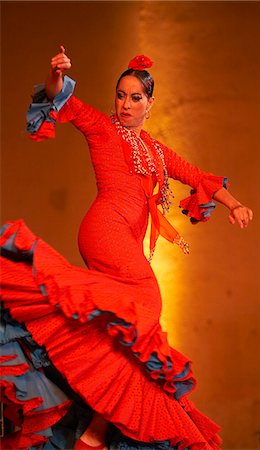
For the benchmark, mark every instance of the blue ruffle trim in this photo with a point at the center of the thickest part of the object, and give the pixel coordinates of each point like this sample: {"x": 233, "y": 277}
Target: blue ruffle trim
{"x": 10, "y": 331}
{"x": 206, "y": 214}
{"x": 209, "y": 206}
{"x": 32, "y": 384}
{"x": 153, "y": 364}
{"x": 40, "y": 108}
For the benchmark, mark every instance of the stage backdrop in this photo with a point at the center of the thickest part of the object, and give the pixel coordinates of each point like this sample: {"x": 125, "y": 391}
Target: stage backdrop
{"x": 206, "y": 68}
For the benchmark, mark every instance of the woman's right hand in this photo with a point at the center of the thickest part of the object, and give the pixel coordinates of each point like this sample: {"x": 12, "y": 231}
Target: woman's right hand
{"x": 54, "y": 81}
{"x": 60, "y": 62}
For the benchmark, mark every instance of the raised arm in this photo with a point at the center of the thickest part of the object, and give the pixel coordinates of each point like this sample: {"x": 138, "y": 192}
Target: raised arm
{"x": 206, "y": 187}
{"x": 55, "y": 101}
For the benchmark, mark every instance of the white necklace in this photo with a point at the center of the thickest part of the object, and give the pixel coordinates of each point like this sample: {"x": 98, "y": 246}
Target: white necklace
{"x": 146, "y": 161}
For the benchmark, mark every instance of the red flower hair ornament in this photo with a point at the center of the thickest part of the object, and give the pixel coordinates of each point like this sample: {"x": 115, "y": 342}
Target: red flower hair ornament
{"x": 140, "y": 62}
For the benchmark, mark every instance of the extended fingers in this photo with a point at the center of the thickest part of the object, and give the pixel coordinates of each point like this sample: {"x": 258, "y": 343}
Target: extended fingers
{"x": 242, "y": 215}
{"x": 250, "y": 214}
{"x": 231, "y": 219}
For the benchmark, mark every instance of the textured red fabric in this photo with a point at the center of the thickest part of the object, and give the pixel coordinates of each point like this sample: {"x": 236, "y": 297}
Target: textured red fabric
{"x": 23, "y": 415}
{"x": 99, "y": 357}
{"x": 22, "y": 441}
{"x": 46, "y": 130}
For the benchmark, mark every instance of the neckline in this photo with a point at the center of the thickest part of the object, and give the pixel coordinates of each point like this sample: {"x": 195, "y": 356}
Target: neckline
{"x": 132, "y": 133}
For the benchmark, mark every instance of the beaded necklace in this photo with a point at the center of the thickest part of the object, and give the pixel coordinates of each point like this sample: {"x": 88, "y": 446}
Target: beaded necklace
{"x": 148, "y": 159}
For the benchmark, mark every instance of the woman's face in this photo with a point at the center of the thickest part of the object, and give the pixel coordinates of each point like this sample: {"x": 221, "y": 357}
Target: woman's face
{"x": 132, "y": 103}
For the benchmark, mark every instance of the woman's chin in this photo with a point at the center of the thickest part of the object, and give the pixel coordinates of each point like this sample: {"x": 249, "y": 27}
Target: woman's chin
{"x": 125, "y": 121}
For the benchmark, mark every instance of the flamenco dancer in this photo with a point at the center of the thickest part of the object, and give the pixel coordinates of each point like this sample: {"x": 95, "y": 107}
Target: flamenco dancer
{"x": 100, "y": 326}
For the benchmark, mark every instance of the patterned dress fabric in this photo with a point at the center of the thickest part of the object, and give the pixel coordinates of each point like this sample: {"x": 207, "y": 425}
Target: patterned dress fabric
{"x": 100, "y": 325}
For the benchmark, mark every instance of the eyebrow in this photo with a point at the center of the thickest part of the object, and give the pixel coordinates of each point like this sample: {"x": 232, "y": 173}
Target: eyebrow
{"x": 133, "y": 93}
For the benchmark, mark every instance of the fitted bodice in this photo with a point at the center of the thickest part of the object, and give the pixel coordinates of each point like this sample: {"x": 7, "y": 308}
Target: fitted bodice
{"x": 123, "y": 200}
{"x": 119, "y": 188}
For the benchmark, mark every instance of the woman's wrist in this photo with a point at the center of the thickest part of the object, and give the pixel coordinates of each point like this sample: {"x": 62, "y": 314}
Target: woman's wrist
{"x": 223, "y": 196}
{"x": 54, "y": 84}
{"x": 235, "y": 206}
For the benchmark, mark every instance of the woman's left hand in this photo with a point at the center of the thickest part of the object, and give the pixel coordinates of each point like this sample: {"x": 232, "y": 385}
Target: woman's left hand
{"x": 240, "y": 214}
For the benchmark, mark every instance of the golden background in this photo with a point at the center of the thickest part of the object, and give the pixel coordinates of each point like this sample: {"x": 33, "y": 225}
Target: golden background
{"x": 207, "y": 89}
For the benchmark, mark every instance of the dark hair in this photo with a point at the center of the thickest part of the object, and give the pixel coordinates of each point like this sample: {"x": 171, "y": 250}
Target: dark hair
{"x": 143, "y": 76}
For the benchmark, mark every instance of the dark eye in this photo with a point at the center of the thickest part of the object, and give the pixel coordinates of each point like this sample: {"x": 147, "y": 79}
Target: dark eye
{"x": 136, "y": 98}
{"x": 120, "y": 95}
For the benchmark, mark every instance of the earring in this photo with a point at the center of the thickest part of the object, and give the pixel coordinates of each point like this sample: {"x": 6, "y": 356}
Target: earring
{"x": 147, "y": 114}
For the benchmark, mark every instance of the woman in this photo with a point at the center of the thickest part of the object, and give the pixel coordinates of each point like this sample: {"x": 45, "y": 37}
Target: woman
{"x": 100, "y": 326}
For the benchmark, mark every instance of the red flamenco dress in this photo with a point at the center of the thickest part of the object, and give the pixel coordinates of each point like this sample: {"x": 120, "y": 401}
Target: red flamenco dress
{"x": 100, "y": 326}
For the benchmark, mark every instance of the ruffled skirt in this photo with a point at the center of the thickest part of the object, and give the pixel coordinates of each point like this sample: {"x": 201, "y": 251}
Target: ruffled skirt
{"x": 93, "y": 333}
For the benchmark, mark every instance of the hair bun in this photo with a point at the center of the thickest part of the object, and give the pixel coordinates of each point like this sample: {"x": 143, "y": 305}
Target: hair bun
{"x": 140, "y": 62}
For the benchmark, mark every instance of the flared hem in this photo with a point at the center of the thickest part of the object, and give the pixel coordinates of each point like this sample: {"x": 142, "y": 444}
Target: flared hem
{"x": 92, "y": 336}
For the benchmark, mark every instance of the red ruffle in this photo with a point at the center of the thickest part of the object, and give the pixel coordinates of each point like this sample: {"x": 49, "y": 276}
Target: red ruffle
{"x": 46, "y": 130}
{"x": 78, "y": 292}
{"x": 112, "y": 381}
{"x": 195, "y": 205}
{"x": 23, "y": 415}
{"x": 20, "y": 441}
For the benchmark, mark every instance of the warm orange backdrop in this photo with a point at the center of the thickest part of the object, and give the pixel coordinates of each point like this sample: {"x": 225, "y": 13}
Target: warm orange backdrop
{"x": 207, "y": 72}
